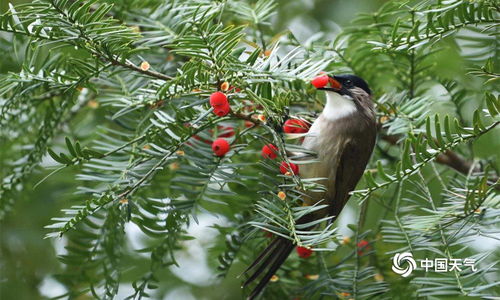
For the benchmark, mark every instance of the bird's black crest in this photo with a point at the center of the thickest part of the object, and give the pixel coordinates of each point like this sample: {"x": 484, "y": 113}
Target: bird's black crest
{"x": 355, "y": 81}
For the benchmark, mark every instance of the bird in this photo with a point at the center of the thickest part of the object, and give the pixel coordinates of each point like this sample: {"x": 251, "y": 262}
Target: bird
{"x": 343, "y": 137}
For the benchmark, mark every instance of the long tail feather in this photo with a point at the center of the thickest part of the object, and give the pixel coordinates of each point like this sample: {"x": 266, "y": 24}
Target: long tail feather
{"x": 261, "y": 256}
{"x": 270, "y": 259}
{"x": 264, "y": 265}
{"x": 265, "y": 280}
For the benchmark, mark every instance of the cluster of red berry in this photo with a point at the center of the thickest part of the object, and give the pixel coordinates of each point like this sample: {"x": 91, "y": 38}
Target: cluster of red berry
{"x": 221, "y": 107}
{"x": 220, "y": 146}
{"x": 220, "y": 104}
{"x": 295, "y": 126}
{"x": 271, "y": 151}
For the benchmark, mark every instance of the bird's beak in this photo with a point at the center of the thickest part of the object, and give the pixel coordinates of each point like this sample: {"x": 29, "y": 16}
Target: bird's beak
{"x": 333, "y": 85}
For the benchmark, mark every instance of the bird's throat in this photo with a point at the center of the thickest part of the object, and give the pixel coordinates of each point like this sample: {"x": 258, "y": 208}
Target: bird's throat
{"x": 337, "y": 106}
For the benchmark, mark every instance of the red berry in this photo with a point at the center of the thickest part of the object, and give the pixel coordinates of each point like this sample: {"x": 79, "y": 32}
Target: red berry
{"x": 218, "y": 99}
{"x": 320, "y": 81}
{"x": 223, "y": 110}
{"x": 197, "y": 137}
{"x": 286, "y": 167}
{"x": 237, "y": 90}
{"x": 269, "y": 151}
{"x": 225, "y": 131}
{"x": 304, "y": 252}
{"x": 362, "y": 246}
{"x": 295, "y": 126}
{"x": 220, "y": 147}
{"x": 249, "y": 124}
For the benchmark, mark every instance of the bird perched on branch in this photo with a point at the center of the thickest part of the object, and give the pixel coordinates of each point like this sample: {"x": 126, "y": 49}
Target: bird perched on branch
{"x": 343, "y": 137}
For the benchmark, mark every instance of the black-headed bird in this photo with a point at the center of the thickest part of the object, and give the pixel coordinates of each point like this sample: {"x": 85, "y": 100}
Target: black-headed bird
{"x": 343, "y": 137}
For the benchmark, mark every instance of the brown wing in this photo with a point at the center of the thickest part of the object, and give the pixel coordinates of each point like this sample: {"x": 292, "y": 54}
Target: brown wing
{"x": 352, "y": 164}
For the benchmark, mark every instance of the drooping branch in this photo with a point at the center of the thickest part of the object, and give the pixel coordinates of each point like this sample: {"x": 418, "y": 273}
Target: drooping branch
{"x": 448, "y": 158}
{"x": 426, "y": 148}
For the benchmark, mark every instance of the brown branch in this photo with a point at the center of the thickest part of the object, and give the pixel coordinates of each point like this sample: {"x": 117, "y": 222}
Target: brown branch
{"x": 455, "y": 161}
{"x": 133, "y": 67}
{"x": 242, "y": 116}
{"x": 449, "y": 158}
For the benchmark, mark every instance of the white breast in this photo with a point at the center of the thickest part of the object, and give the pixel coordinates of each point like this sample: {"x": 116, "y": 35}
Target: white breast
{"x": 338, "y": 106}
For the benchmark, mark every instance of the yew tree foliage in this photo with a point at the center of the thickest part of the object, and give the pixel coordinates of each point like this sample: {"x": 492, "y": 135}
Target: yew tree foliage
{"x": 116, "y": 93}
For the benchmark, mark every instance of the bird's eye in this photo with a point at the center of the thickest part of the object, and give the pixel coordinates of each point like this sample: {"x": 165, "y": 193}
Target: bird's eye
{"x": 348, "y": 82}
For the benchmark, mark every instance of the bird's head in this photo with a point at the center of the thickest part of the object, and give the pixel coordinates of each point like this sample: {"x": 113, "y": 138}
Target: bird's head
{"x": 345, "y": 95}
{"x": 346, "y": 85}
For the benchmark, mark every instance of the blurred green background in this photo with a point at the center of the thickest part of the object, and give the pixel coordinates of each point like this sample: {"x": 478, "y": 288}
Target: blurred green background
{"x": 28, "y": 262}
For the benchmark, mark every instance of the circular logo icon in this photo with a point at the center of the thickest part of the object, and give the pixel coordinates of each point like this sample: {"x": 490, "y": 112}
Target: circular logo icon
{"x": 399, "y": 259}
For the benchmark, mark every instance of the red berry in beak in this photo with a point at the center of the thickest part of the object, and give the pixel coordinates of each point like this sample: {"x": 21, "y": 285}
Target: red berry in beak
{"x": 269, "y": 151}
{"x": 218, "y": 99}
{"x": 220, "y": 147}
{"x": 289, "y": 168}
{"x": 320, "y": 81}
{"x": 295, "y": 126}
{"x": 304, "y": 252}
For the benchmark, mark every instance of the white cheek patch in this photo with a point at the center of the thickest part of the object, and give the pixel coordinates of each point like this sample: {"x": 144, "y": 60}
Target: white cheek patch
{"x": 338, "y": 106}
